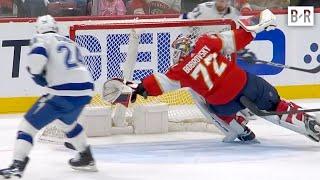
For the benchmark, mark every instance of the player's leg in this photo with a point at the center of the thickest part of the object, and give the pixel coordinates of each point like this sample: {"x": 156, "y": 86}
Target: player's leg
{"x": 40, "y": 114}
{"x": 76, "y": 135}
{"x": 266, "y": 97}
{"x": 225, "y": 119}
{"x": 302, "y": 123}
{"x": 237, "y": 123}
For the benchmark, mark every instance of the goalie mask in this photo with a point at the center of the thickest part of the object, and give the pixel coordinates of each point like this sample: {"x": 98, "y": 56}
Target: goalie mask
{"x": 183, "y": 47}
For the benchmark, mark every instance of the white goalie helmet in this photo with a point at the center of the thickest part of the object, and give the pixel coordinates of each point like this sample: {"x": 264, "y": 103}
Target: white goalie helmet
{"x": 46, "y": 24}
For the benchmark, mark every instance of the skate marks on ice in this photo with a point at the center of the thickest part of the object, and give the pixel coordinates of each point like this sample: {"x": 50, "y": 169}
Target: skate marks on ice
{"x": 173, "y": 158}
{"x": 201, "y": 151}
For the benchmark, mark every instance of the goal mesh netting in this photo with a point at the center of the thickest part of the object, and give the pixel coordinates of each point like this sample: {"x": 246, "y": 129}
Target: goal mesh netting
{"x": 105, "y": 49}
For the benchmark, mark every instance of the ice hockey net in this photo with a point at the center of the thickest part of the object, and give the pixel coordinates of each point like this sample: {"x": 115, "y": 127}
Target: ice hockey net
{"x": 105, "y": 49}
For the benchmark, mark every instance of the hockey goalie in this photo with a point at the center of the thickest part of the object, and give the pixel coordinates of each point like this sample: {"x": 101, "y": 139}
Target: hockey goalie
{"x": 218, "y": 83}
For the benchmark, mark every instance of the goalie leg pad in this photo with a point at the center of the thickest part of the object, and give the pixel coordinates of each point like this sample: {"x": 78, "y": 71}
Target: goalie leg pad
{"x": 303, "y": 120}
{"x": 301, "y": 123}
{"x": 119, "y": 116}
{"x": 238, "y": 125}
{"x": 230, "y": 126}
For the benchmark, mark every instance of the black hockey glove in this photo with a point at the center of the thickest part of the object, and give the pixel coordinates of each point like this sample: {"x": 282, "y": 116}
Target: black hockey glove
{"x": 137, "y": 89}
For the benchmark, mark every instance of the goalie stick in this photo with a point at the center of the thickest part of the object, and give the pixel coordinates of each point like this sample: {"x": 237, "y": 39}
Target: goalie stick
{"x": 119, "y": 112}
{"x": 254, "y": 109}
{"x": 257, "y": 61}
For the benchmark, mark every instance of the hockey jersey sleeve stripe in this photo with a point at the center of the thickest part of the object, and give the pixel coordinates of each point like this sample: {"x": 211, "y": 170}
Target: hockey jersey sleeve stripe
{"x": 158, "y": 83}
{"x": 166, "y": 83}
{"x": 228, "y": 40}
{"x": 74, "y": 86}
{"x": 39, "y": 50}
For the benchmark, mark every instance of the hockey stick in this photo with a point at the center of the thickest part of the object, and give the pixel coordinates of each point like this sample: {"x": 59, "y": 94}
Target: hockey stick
{"x": 132, "y": 55}
{"x": 119, "y": 112}
{"x": 254, "y": 109}
{"x": 257, "y": 61}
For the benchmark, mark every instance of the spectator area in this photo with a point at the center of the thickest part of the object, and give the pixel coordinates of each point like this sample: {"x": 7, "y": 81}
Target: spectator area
{"x": 66, "y": 8}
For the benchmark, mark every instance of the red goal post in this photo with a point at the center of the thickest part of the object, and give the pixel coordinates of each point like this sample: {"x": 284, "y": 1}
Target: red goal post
{"x": 126, "y": 24}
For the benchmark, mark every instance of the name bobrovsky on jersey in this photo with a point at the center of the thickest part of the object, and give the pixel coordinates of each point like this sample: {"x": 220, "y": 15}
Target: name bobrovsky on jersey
{"x": 196, "y": 59}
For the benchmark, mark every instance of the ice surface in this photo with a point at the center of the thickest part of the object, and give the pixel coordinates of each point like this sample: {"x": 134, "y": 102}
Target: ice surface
{"x": 180, "y": 156}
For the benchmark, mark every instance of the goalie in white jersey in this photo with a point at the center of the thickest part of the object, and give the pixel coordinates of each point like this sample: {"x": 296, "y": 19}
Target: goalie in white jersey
{"x": 54, "y": 62}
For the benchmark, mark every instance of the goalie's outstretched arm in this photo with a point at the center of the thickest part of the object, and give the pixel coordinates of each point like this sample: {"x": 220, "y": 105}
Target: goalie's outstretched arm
{"x": 120, "y": 91}
{"x": 158, "y": 83}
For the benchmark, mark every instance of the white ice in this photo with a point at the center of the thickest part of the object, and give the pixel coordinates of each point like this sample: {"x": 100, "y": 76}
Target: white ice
{"x": 281, "y": 155}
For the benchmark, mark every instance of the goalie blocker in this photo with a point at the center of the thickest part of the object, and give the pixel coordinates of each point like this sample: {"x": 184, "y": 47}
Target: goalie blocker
{"x": 149, "y": 118}
{"x": 120, "y": 91}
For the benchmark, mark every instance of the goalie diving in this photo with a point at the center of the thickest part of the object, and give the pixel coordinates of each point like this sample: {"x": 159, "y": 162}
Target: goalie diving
{"x": 218, "y": 85}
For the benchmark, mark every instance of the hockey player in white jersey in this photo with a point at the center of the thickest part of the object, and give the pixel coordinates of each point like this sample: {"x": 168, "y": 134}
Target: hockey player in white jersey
{"x": 213, "y": 10}
{"x": 54, "y": 62}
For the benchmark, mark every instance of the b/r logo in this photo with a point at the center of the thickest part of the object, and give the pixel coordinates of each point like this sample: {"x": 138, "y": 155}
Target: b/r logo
{"x": 300, "y": 16}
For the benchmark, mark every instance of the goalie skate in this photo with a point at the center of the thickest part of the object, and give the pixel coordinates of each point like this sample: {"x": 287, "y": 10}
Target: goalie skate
{"x": 312, "y": 127}
{"x": 300, "y": 122}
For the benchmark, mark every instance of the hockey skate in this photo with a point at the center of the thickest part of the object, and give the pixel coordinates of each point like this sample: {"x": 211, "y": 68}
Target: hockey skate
{"x": 84, "y": 161}
{"x": 312, "y": 127}
{"x": 248, "y": 136}
{"x": 15, "y": 170}
{"x": 309, "y": 125}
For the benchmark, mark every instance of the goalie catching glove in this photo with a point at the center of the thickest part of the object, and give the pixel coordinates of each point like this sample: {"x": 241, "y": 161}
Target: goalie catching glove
{"x": 121, "y": 91}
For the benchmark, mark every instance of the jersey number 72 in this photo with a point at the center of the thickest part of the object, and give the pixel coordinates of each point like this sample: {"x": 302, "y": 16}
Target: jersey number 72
{"x": 209, "y": 62}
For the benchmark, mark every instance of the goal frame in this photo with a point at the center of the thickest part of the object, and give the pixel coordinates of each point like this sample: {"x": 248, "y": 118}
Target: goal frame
{"x": 139, "y": 25}
{"x": 178, "y": 118}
